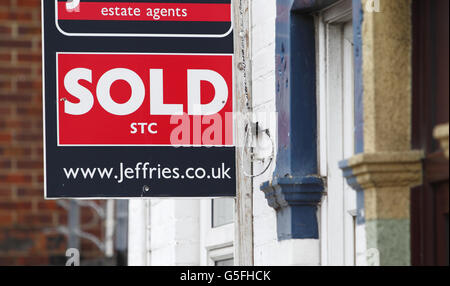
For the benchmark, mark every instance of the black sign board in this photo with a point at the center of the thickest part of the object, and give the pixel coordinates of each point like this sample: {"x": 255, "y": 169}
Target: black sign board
{"x": 138, "y": 99}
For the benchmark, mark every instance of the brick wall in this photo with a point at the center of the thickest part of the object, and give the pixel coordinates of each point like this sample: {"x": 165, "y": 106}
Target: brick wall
{"x": 27, "y": 222}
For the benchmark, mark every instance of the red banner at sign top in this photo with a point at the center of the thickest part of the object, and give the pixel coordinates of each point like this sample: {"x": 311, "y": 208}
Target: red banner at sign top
{"x": 117, "y": 11}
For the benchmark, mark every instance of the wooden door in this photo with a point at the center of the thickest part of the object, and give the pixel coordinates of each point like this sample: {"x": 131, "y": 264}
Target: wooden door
{"x": 430, "y": 202}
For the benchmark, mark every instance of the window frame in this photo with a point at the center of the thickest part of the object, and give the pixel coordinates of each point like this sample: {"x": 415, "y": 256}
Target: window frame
{"x": 335, "y": 81}
{"x": 216, "y": 243}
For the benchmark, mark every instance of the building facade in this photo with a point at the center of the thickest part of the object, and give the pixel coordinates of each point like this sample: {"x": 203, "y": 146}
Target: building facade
{"x": 353, "y": 95}
{"x": 346, "y": 162}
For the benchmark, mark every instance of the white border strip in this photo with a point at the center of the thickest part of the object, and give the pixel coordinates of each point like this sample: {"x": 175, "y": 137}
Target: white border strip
{"x": 43, "y": 100}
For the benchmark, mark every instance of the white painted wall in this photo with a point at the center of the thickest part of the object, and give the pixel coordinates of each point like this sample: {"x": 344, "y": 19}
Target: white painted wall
{"x": 164, "y": 232}
{"x": 175, "y": 232}
{"x": 267, "y": 249}
{"x": 263, "y": 14}
{"x": 137, "y": 223}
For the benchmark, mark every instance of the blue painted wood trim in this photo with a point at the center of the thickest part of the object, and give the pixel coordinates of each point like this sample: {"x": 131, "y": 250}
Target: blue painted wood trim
{"x": 358, "y": 16}
{"x": 296, "y": 93}
{"x": 296, "y": 201}
{"x": 296, "y": 190}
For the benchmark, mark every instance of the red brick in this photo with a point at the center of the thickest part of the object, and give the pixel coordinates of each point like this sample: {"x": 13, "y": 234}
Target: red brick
{"x": 5, "y": 138}
{"x": 40, "y": 178}
{"x": 34, "y": 260}
{"x": 6, "y": 3}
{"x": 62, "y": 218}
{"x": 16, "y": 206}
{"x": 30, "y": 164}
{"x": 8, "y": 261}
{"x": 38, "y": 124}
{"x": 14, "y": 151}
{"x": 88, "y": 247}
{"x": 56, "y": 243}
{"x": 30, "y": 192}
{"x": 15, "y": 178}
{"x": 15, "y": 124}
{"x": 39, "y": 150}
{"x": 48, "y": 205}
{"x": 29, "y": 111}
{"x": 28, "y": 137}
{"x": 29, "y": 57}
{"x": 29, "y": 84}
{"x": 6, "y": 97}
{"x": 16, "y": 15}
{"x": 5, "y": 111}
{"x": 29, "y": 3}
{"x": 5, "y": 193}
{"x": 88, "y": 217}
{"x": 15, "y": 71}
{"x": 5, "y": 57}
{"x": 36, "y": 30}
{"x": 40, "y": 219}
{"x": 5, "y": 84}
{"x": 5, "y": 30}
{"x": 4, "y": 43}
{"x": 6, "y": 219}
{"x": 5, "y": 163}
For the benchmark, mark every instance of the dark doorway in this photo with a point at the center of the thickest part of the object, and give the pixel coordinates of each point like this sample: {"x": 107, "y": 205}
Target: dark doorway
{"x": 430, "y": 202}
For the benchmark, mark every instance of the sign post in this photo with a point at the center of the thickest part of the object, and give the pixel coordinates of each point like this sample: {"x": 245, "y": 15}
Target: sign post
{"x": 138, "y": 99}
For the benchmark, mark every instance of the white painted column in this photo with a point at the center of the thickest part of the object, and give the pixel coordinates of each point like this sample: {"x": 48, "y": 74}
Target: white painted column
{"x": 137, "y": 233}
{"x": 175, "y": 232}
{"x": 109, "y": 232}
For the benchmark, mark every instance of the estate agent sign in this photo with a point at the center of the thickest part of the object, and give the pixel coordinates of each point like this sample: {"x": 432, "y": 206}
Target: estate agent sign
{"x": 138, "y": 99}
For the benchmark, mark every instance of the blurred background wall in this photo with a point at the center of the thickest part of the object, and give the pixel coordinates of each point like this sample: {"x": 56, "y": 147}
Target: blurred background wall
{"x": 31, "y": 229}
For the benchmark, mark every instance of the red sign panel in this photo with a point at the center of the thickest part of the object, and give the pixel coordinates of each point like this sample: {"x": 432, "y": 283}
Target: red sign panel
{"x": 144, "y": 99}
{"x": 162, "y": 18}
{"x": 125, "y": 11}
